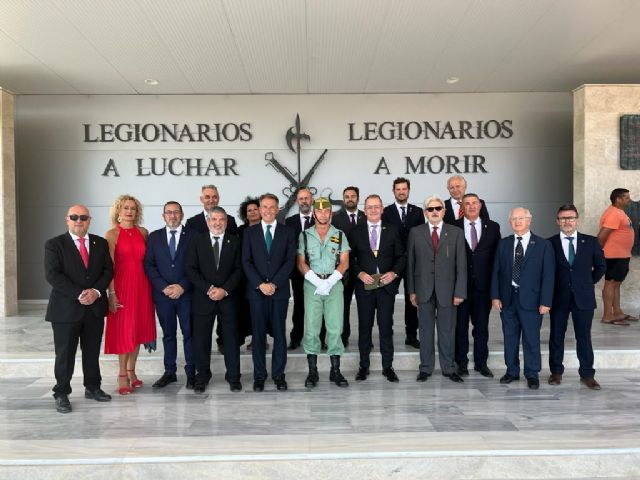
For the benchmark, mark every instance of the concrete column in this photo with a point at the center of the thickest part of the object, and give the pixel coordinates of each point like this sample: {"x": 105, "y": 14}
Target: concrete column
{"x": 8, "y": 254}
{"x": 596, "y": 163}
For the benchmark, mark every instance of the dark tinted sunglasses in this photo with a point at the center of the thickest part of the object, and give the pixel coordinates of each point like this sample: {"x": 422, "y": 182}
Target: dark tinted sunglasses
{"x": 82, "y": 218}
{"x": 431, "y": 209}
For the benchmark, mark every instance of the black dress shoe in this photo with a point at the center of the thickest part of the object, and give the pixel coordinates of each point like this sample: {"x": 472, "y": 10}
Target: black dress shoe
{"x": 506, "y": 378}
{"x": 97, "y": 395}
{"x": 414, "y": 342}
{"x": 63, "y": 405}
{"x": 281, "y": 383}
{"x": 293, "y": 345}
{"x": 462, "y": 370}
{"x": 533, "y": 383}
{"x": 258, "y": 385}
{"x": 454, "y": 377}
{"x": 165, "y": 380}
{"x": 191, "y": 382}
{"x": 390, "y": 374}
{"x": 235, "y": 385}
{"x": 199, "y": 387}
{"x": 422, "y": 377}
{"x": 483, "y": 370}
{"x": 363, "y": 373}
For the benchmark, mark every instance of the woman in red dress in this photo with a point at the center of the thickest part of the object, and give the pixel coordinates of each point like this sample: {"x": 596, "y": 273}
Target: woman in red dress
{"x": 131, "y": 319}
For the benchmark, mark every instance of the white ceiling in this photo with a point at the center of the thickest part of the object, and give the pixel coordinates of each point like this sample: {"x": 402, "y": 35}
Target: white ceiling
{"x": 315, "y": 46}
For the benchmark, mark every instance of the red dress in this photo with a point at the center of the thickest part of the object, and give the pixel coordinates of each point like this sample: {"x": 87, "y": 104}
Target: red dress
{"x": 135, "y": 322}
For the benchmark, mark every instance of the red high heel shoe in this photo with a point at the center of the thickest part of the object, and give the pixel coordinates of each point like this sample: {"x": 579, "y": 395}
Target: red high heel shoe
{"x": 137, "y": 383}
{"x": 124, "y": 390}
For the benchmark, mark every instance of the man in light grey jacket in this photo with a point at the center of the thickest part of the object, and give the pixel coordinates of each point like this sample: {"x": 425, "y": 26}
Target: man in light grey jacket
{"x": 437, "y": 283}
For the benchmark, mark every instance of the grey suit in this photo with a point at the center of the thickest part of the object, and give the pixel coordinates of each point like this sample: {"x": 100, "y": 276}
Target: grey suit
{"x": 436, "y": 279}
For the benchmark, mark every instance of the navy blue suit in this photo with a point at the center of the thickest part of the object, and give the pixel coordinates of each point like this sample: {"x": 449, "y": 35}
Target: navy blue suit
{"x": 574, "y": 293}
{"x": 415, "y": 217}
{"x": 272, "y": 267}
{"x": 163, "y": 271}
{"x": 520, "y": 314}
{"x": 477, "y": 305}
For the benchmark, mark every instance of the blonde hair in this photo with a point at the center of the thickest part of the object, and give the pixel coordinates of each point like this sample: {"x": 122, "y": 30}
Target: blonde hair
{"x": 114, "y": 212}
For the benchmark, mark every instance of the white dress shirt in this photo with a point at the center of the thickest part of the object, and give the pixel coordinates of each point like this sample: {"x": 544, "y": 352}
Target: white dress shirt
{"x": 565, "y": 244}
{"x": 178, "y": 232}
{"x": 468, "y": 227}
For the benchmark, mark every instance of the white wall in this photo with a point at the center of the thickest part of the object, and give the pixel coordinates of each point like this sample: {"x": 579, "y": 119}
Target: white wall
{"x": 56, "y": 167}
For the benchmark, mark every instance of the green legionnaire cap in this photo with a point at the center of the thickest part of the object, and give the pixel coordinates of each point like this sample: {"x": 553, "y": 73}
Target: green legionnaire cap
{"x": 322, "y": 202}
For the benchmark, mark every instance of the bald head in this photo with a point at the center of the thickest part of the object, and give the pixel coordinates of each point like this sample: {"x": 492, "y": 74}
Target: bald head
{"x": 78, "y": 220}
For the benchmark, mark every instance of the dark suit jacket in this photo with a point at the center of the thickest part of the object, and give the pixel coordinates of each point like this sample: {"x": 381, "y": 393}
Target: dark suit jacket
{"x": 536, "y": 278}
{"x": 198, "y": 224}
{"x": 66, "y": 273}
{"x": 342, "y": 221}
{"x": 450, "y": 219}
{"x": 480, "y": 260}
{"x": 161, "y": 270}
{"x": 391, "y": 256}
{"x": 415, "y": 217}
{"x": 294, "y": 222}
{"x": 202, "y": 272}
{"x": 447, "y": 275}
{"x": 273, "y": 267}
{"x": 578, "y": 279}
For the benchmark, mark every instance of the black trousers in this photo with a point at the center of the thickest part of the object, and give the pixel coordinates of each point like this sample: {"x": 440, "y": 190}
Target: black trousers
{"x": 349, "y": 288}
{"x": 370, "y": 302}
{"x": 88, "y": 332}
{"x": 582, "y": 319}
{"x": 297, "y": 318}
{"x": 226, "y": 312}
{"x": 267, "y": 312}
{"x": 477, "y": 308}
{"x": 410, "y": 313}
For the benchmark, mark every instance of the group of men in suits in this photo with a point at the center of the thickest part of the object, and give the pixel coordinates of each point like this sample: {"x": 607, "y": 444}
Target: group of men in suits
{"x": 454, "y": 264}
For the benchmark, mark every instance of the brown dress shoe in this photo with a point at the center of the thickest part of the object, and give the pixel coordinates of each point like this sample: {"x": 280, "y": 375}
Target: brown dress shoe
{"x": 555, "y": 379}
{"x": 590, "y": 383}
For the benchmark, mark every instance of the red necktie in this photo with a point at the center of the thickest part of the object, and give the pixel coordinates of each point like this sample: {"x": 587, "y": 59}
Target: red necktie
{"x": 83, "y": 252}
{"x": 434, "y": 240}
{"x": 460, "y": 210}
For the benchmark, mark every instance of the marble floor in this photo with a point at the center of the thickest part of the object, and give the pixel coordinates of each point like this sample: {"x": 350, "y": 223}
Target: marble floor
{"x": 373, "y": 429}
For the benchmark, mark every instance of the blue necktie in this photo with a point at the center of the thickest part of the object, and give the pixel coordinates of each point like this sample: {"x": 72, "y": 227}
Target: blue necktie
{"x": 172, "y": 244}
{"x": 268, "y": 238}
{"x": 572, "y": 251}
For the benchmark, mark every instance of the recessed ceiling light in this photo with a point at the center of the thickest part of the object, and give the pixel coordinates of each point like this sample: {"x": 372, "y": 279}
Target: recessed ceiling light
{"x": 452, "y": 80}
{"x": 152, "y": 81}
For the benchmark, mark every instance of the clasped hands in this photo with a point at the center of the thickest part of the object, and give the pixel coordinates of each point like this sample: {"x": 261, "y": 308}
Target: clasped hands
{"x": 216, "y": 293}
{"x": 323, "y": 286}
{"x": 385, "y": 279}
{"x": 173, "y": 291}
{"x": 88, "y": 296}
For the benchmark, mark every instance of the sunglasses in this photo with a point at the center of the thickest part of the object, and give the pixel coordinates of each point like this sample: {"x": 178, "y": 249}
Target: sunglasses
{"x": 431, "y": 209}
{"x": 75, "y": 218}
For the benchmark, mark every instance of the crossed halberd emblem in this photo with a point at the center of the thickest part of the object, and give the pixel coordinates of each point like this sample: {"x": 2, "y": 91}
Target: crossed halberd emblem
{"x": 296, "y": 180}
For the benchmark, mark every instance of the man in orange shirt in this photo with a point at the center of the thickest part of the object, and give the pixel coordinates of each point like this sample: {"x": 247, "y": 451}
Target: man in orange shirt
{"x": 616, "y": 237}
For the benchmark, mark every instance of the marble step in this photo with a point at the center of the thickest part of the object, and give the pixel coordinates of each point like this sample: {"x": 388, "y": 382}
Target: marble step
{"x": 41, "y": 364}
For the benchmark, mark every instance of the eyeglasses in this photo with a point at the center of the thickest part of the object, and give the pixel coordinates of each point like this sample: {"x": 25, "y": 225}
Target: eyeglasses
{"x": 172, "y": 212}
{"x": 519, "y": 219}
{"x": 567, "y": 219}
{"x": 431, "y": 209}
{"x": 75, "y": 218}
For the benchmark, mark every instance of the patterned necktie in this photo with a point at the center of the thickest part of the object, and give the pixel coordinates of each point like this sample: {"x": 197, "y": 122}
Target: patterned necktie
{"x": 307, "y": 223}
{"x": 474, "y": 235}
{"x": 434, "y": 240}
{"x": 172, "y": 244}
{"x": 353, "y": 219}
{"x": 373, "y": 239}
{"x": 460, "y": 211}
{"x": 404, "y": 215}
{"x": 216, "y": 251}
{"x": 572, "y": 251}
{"x": 268, "y": 238}
{"x": 517, "y": 262}
{"x": 83, "y": 252}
